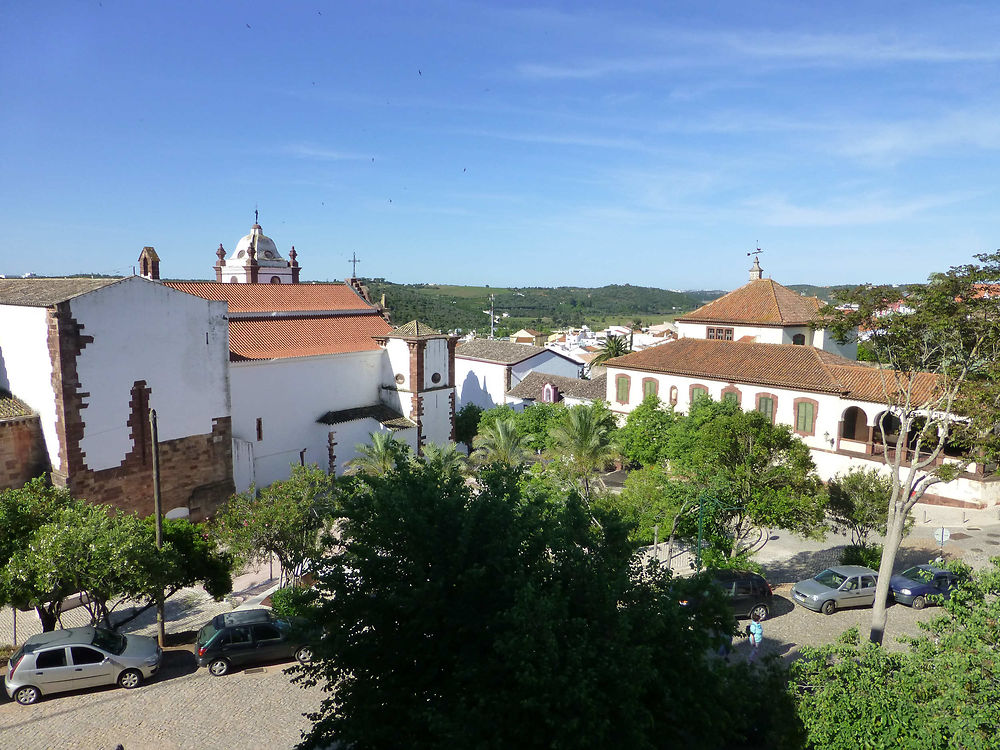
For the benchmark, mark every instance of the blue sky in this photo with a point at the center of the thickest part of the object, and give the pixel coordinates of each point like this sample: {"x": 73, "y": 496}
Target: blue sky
{"x": 497, "y": 143}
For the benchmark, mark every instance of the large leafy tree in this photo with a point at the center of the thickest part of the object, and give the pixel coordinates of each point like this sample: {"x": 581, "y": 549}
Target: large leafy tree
{"x": 285, "y": 519}
{"x": 939, "y": 370}
{"x": 107, "y": 555}
{"x": 643, "y": 438}
{"x": 751, "y": 476}
{"x": 532, "y": 423}
{"x": 942, "y": 692}
{"x": 496, "y": 618}
{"x": 467, "y": 424}
{"x": 859, "y": 503}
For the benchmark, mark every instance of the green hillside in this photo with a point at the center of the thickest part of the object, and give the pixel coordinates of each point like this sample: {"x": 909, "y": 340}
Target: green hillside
{"x": 544, "y": 308}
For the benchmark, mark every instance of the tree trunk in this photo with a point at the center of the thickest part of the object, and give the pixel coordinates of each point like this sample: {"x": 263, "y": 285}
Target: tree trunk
{"x": 49, "y": 619}
{"x": 893, "y": 538}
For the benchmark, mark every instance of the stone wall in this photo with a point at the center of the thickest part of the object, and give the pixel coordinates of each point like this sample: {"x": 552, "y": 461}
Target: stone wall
{"x": 22, "y": 451}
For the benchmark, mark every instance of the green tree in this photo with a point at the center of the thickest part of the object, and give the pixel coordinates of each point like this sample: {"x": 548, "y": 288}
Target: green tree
{"x": 859, "y": 503}
{"x": 583, "y": 442}
{"x": 500, "y": 443}
{"x": 942, "y": 692}
{"x": 380, "y": 456}
{"x": 446, "y": 457}
{"x": 643, "y": 439}
{"x": 751, "y": 476}
{"x": 448, "y": 610}
{"x": 939, "y": 372}
{"x": 614, "y": 346}
{"x": 535, "y": 422}
{"x": 467, "y": 424}
{"x": 284, "y": 519}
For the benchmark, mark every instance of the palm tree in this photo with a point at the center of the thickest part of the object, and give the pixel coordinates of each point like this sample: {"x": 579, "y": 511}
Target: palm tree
{"x": 614, "y": 346}
{"x": 447, "y": 458}
{"x": 380, "y": 457}
{"x": 500, "y": 443}
{"x": 582, "y": 440}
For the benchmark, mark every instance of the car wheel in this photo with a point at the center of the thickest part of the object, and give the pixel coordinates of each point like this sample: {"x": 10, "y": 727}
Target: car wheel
{"x": 829, "y": 607}
{"x": 304, "y": 655}
{"x": 918, "y": 602}
{"x": 761, "y": 611}
{"x": 218, "y": 667}
{"x": 130, "y": 678}
{"x": 27, "y": 695}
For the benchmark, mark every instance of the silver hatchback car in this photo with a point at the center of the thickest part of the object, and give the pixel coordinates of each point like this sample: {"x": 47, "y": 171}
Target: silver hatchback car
{"x": 836, "y": 588}
{"x": 76, "y": 658}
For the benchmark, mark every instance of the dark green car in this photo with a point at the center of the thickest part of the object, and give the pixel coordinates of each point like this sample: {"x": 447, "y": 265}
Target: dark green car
{"x": 250, "y": 636}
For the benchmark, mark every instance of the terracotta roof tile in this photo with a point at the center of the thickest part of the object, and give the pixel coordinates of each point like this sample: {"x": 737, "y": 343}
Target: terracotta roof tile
{"x": 379, "y": 412}
{"x": 780, "y": 365}
{"x": 11, "y": 407}
{"x": 533, "y": 383}
{"x": 414, "y": 329}
{"x": 277, "y": 338}
{"x": 761, "y": 302}
{"x": 265, "y": 298}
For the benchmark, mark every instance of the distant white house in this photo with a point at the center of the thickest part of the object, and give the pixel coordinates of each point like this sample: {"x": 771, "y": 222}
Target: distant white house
{"x": 486, "y": 369}
{"x": 540, "y": 387}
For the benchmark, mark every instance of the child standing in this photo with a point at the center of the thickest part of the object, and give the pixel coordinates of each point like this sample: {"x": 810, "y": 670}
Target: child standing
{"x": 756, "y": 631}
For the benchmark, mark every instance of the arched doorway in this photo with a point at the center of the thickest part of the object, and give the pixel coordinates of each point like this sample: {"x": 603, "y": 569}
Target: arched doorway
{"x": 854, "y": 424}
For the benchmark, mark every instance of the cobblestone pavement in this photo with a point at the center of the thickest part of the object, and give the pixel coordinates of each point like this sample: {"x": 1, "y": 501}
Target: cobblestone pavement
{"x": 182, "y": 707}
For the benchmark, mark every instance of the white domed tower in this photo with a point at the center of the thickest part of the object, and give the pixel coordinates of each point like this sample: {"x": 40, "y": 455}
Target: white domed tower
{"x": 256, "y": 260}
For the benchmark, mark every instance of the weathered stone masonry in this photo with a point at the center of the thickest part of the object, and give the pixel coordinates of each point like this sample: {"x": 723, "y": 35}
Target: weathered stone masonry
{"x": 22, "y": 451}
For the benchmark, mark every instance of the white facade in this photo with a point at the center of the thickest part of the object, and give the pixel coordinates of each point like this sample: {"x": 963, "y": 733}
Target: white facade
{"x": 288, "y": 396}
{"x": 485, "y": 384}
{"x": 26, "y": 366}
{"x": 819, "y": 338}
{"x": 831, "y": 453}
{"x": 185, "y": 371}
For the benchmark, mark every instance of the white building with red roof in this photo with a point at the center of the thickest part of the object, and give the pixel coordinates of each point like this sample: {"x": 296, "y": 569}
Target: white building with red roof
{"x": 755, "y": 346}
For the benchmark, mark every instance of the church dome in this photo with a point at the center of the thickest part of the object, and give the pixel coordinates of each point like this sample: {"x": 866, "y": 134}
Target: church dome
{"x": 267, "y": 252}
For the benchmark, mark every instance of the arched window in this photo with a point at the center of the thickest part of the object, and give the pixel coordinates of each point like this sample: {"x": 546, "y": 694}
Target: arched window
{"x": 275, "y": 279}
{"x": 673, "y": 395}
{"x": 697, "y": 391}
{"x": 732, "y": 393}
{"x": 767, "y": 404}
{"x": 233, "y": 280}
{"x": 799, "y": 339}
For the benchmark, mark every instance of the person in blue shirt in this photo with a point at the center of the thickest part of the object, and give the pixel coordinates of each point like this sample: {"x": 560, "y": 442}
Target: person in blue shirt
{"x": 756, "y": 632}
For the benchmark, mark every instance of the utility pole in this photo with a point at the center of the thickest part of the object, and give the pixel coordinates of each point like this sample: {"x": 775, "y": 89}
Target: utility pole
{"x": 161, "y": 635}
{"x": 493, "y": 318}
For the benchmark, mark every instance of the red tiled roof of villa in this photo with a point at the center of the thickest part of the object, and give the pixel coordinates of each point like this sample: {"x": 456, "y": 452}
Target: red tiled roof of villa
{"x": 760, "y": 302}
{"x": 780, "y": 365}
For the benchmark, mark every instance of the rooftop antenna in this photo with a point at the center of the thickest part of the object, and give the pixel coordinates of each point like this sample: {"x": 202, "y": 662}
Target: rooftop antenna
{"x": 354, "y": 265}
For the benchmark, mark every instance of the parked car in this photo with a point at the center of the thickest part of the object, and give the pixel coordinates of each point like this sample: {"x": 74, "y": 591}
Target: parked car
{"x": 247, "y": 637}
{"x": 749, "y": 593}
{"x": 836, "y": 588}
{"x": 916, "y": 585}
{"x": 75, "y": 658}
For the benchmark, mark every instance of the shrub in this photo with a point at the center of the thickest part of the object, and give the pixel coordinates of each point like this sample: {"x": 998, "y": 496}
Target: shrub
{"x": 869, "y": 555}
{"x": 292, "y": 601}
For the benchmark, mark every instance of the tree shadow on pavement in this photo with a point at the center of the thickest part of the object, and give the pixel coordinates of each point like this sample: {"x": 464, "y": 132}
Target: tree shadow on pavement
{"x": 807, "y": 564}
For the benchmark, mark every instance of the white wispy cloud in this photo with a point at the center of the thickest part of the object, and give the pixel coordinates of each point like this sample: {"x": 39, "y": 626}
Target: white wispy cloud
{"x": 765, "y": 47}
{"x": 888, "y": 142}
{"x": 560, "y": 139}
{"x": 778, "y": 210}
{"x": 318, "y": 153}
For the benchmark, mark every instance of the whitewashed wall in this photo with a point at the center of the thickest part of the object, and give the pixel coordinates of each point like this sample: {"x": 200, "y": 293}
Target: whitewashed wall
{"x": 26, "y": 366}
{"x": 397, "y": 363}
{"x": 176, "y": 342}
{"x": 289, "y": 395}
{"x": 436, "y": 421}
{"x": 349, "y": 435}
{"x": 479, "y": 383}
{"x": 548, "y": 362}
{"x": 763, "y": 334}
{"x": 435, "y": 361}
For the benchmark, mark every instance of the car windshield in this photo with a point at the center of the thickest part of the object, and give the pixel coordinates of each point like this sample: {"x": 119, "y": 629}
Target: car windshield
{"x": 830, "y": 578}
{"x": 918, "y": 574}
{"x": 111, "y": 642}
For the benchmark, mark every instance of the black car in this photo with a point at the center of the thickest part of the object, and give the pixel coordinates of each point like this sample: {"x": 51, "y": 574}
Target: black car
{"x": 748, "y": 592}
{"x": 249, "y": 636}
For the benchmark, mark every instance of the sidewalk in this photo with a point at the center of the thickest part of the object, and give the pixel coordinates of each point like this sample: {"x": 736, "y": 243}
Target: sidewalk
{"x": 186, "y": 610}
